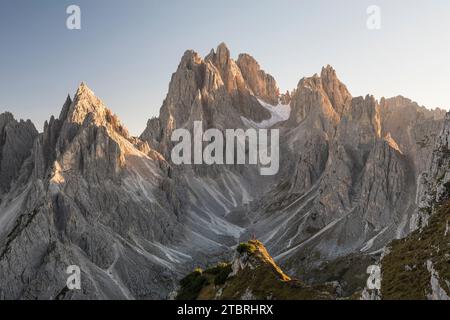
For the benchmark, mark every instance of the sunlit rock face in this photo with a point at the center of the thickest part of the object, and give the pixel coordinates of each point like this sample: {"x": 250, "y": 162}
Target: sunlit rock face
{"x": 420, "y": 260}
{"x": 214, "y": 90}
{"x": 84, "y": 192}
{"x": 94, "y": 200}
{"x": 413, "y": 127}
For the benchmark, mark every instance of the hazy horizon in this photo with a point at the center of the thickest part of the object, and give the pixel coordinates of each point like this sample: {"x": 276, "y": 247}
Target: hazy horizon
{"x": 126, "y": 53}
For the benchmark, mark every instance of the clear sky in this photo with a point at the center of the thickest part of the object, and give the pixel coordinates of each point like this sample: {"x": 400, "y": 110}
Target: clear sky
{"x": 126, "y": 51}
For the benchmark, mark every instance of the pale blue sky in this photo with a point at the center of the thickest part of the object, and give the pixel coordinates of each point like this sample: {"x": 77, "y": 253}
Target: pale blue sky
{"x": 127, "y": 50}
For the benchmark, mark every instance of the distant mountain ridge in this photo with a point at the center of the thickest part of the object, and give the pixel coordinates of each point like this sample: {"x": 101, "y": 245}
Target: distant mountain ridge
{"x": 84, "y": 192}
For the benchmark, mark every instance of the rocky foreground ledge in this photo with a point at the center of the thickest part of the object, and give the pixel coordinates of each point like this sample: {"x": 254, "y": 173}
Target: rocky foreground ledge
{"x": 252, "y": 275}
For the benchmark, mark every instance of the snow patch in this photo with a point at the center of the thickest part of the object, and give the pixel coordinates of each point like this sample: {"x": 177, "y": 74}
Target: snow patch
{"x": 279, "y": 113}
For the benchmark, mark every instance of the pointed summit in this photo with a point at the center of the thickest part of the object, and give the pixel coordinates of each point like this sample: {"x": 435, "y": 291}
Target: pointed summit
{"x": 328, "y": 69}
{"x": 223, "y": 53}
{"x": 65, "y": 109}
{"x": 83, "y": 89}
{"x": 262, "y": 84}
{"x": 220, "y": 57}
{"x": 336, "y": 91}
{"x": 189, "y": 59}
{"x": 5, "y": 118}
{"x": 84, "y": 103}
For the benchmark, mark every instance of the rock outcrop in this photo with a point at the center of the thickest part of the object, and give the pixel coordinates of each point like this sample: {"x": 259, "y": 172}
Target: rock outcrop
{"x": 413, "y": 127}
{"x": 95, "y": 201}
{"x": 252, "y": 275}
{"x": 433, "y": 183}
{"x": 16, "y": 142}
{"x": 262, "y": 85}
{"x": 84, "y": 192}
{"x": 417, "y": 267}
{"x": 215, "y": 90}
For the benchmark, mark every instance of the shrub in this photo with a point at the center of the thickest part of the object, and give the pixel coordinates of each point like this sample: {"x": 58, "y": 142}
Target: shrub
{"x": 223, "y": 271}
{"x": 246, "y": 247}
{"x": 191, "y": 285}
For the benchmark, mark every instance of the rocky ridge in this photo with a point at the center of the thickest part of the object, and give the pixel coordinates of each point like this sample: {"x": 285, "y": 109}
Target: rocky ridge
{"x": 252, "y": 275}
{"x": 16, "y": 140}
{"x": 85, "y": 192}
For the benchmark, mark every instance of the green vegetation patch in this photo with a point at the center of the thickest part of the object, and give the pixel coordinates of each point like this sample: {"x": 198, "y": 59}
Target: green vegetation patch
{"x": 263, "y": 283}
{"x": 201, "y": 284}
{"x": 220, "y": 273}
{"x": 246, "y": 247}
{"x": 405, "y": 273}
{"x": 264, "y": 280}
{"x": 191, "y": 285}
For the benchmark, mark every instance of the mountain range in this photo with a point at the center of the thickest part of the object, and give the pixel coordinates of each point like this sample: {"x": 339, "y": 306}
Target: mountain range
{"x": 357, "y": 176}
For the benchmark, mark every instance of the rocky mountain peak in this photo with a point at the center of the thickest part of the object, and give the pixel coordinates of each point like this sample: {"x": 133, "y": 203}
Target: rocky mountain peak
{"x": 328, "y": 72}
{"x": 217, "y": 90}
{"x": 86, "y": 106}
{"x": 221, "y": 57}
{"x": 83, "y": 88}
{"x": 97, "y": 198}
{"x": 5, "y": 118}
{"x": 229, "y": 72}
{"x": 362, "y": 122}
{"x": 412, "y": 126}
{"x": 88, "y": 121}
{"x": 263, "y": 85}
{"x": 85, "y": 102}
{"x": 16, "y": 141}
{"x": 65, "y": 108}
{"x": 222, "y": 54}
{"x": 336, "y": 91}
{"x": 244, "y": 76}
{"x": 409, "y": 109}
{"x": 322, "y": 99}
{"x": 310, "y": 102}
{"x": 189, "y": 59}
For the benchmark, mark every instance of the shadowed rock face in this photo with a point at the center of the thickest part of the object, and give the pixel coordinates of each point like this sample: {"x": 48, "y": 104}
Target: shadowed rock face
{"x": 96, "y": 201}
{"x": 16, "y": 141}
{"x": 353, "y": 189}
{"x": 434, "y": 181}
{"x": 413, "y": 127}
{"x": 87, "y": 193}
{"x": 417, "y": 267}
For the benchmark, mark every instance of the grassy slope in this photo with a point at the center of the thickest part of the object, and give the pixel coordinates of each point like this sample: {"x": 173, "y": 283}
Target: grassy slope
{"x": 265, "y": 280}
{"x": 405, "y": 274}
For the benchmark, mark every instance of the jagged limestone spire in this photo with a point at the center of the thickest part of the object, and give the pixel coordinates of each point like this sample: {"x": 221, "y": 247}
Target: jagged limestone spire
{"x": 83, "y": 89}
